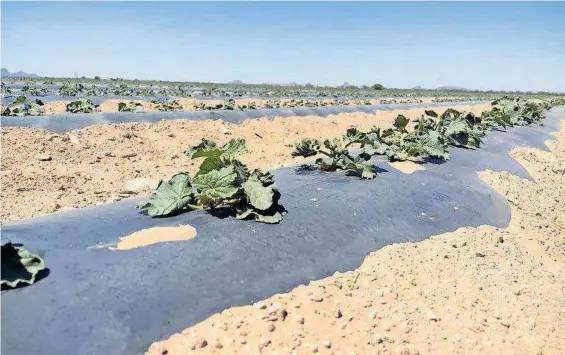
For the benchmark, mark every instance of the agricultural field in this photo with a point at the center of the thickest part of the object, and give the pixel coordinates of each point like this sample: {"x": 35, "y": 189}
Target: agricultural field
{"x": 378, "y": 179}
{"x": 230, "y": 171}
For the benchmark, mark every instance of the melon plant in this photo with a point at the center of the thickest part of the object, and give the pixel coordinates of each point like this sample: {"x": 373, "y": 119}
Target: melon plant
{"x": 21, "y": 106}
{"x": 168, "y": 105}
{"x": 338, "y": 156}
{"x": 145, "y": 92}
{"x": 70, "y": 89}
{"x": 95, "y": 91}
{"x": 222, "y": 184}
{"x": 249, "y": 106}
{"x": 130, "y": 107}
{"x": 272, "y": 104}
{"x": 517, "y": 111}
{"x": 123, "y": 90}
{"x": 34, "y": 91}
{"x": 20, "y": 267}
{"x": 81, "y": 106}
{"x": 398, "y": 144}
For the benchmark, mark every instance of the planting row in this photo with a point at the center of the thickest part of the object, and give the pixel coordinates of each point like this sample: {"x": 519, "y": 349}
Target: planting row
{"x": 23, "y": 106}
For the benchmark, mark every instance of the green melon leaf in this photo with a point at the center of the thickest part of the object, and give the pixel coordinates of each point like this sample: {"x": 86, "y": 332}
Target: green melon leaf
{"x": 170, "y": 196}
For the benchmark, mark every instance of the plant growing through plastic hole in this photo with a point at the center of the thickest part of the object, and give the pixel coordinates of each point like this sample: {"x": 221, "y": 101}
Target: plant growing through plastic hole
{"x": 338, "y": 154}
{"x": 21, "y": 106}
{"x": 166, "y": 106}
{"x": 222, "y": 184}
{"x": 130, "y": 107}
{"x": 81, "y": 106}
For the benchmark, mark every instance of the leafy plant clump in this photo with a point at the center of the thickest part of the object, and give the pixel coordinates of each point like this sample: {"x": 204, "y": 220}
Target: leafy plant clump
{"x": 81, "y": 106}
{"x": 426, "y": 140}
{"x": 517, "y": 111}
{"x": 70, "y": 89}
{"x": 22, "y": 107}
{"x": 35, "y": 91}
{"x": 19, "y": 266}
{"x": 130, "y": 107}
{"x": 166, "y": 106}
{"x": 222, "y": 184}
{"x": 337, "y": 150}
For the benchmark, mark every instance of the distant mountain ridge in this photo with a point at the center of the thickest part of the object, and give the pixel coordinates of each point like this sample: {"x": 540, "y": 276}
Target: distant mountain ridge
{"x": 21, "y": 74}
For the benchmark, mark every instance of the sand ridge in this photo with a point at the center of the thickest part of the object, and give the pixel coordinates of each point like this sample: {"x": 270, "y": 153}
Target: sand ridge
{"x": 481, "y": 290}
{"x": 44, "y": 172}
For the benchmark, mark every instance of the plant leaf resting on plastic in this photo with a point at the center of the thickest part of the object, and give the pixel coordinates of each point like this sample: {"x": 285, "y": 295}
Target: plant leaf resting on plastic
{"x": 19, "y": 266}
{"x": 222, "y": 185}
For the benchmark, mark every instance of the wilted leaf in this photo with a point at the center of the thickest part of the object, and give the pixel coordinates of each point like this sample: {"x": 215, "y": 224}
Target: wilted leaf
{"x": 258, "y": 195}
{"x": 19, "y": 266}
{"x": 170, "y": 196}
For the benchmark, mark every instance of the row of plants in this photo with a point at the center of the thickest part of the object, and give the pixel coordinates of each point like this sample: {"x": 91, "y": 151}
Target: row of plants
{"x": 431, "y": 137}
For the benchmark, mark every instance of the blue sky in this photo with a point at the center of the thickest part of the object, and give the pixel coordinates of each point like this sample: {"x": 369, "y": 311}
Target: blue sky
{"x": 511, "y": 46}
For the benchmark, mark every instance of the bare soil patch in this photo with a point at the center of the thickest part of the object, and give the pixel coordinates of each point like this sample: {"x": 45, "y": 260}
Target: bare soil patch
{"x": 407, "y": 167}
{"x": 149, "y": 236}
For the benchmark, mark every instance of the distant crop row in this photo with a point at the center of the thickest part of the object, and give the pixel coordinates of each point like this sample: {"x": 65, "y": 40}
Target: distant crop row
{"x": 148, "y": 88}
{"x": 23, "y": 106}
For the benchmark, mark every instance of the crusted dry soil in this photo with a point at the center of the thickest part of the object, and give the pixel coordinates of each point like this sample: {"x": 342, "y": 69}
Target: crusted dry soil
{"x": 44, "y": 172}
{"x": 473, "y": 291}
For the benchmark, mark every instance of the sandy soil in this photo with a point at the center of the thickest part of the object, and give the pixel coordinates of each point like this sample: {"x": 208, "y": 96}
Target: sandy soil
{"x": 44, "y": 172}
{"x": 407, "y": 167}
{"x": 155, "y": 235}
{"x": 473, "y": 291}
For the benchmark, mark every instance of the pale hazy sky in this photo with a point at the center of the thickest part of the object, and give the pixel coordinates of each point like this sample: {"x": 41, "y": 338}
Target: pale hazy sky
{"x": 511, "y": 46}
